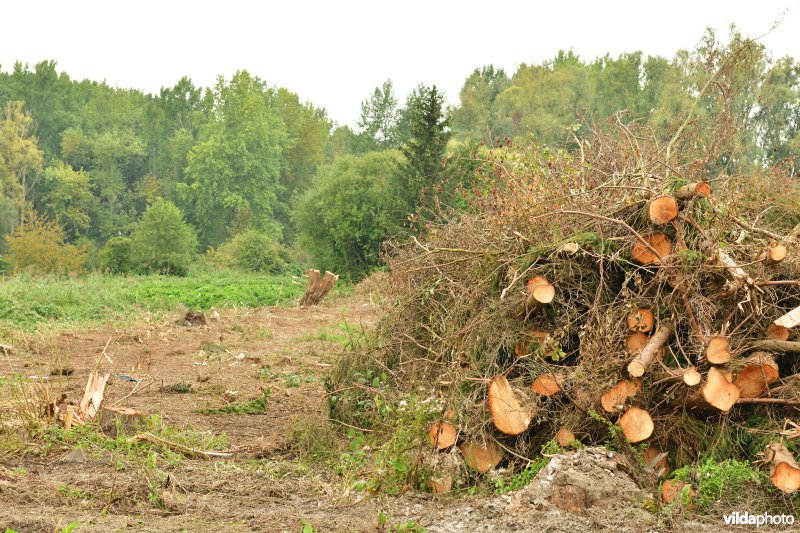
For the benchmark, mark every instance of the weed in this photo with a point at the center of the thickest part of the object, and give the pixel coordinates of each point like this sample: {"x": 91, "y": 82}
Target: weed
{"x": 179, "y": 388}
{"x": 727, "y": 481}
{"x": 253, "y": 407}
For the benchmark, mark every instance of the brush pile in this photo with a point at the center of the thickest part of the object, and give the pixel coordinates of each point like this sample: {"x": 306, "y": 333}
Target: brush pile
{"x": 628, "y": 283}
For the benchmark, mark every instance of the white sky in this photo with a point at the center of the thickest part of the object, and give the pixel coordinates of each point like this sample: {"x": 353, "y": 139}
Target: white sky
{"x": 333, "y": 53}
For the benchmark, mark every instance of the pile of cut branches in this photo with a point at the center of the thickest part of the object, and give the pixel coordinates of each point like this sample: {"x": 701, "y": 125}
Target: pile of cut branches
{"x": 624, "y": 283}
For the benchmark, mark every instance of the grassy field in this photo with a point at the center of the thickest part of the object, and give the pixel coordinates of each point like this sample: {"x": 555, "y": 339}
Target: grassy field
{"x": 28, "y": 303}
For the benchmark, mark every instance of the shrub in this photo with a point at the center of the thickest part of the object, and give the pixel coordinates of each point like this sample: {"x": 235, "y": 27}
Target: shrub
{"x": 116, "y": 257}
{"x": 354, "y": 207}
{"x": 37, "y": 246}
{"x": 253, "y": 251}
{"x": 162, "y": 241}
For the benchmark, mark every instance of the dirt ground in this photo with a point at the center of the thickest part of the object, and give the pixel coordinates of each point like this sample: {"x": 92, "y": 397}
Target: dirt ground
{"x": 232, "y": 358}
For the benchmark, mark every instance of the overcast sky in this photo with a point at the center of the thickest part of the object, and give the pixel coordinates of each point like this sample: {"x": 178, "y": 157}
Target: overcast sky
{"x": 333, "y": 53}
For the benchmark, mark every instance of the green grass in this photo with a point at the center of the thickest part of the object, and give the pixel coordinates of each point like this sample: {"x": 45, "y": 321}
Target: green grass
{"x": 30, "y": 303}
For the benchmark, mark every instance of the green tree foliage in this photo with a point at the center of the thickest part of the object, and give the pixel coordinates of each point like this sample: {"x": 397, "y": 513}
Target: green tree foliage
{"x": 352, "y": 210}
{"x": 20, "y": 158}
{"x": 162, "y": 241}
{"x": 116, "y": 257}
{"x": 424, "y": 150}
{"x": 253, "y": 252}
{"x": 474, "y": 117}
{"x": 378, "y": 121}
{"x": 235, "y": 172}
{"x": 67, "y": 195}
{"x": 38, "y": 246}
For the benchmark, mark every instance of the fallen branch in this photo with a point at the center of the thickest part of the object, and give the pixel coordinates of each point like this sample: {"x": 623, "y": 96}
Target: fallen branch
{"x": 777, "y": 346}
{"x": 180, "y": 448}
{"x": 644, "y": 359}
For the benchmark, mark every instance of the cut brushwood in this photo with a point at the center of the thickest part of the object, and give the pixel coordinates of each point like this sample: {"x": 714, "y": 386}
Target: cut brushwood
{"x": 641, "y": 320}
{"x": 700, "y": 189}
{"x": 662, "y": 210}
{"x": 614, "y": 399}
{"x": 739, "y": 275}
{"x": 545, "y": 385}
{"x": 508, "y": 413}
{"x": 481, "y": 456}
{"x": 647, "y": 355}
{"x": 442, "y": 435}
{"x": 643, "y": 254}
{"x": 718, "y": 350}
{"x": 636, "y": 425}
{"x": 540, "y": 292}
{"x": 759, "y": 371}
{"x": 784, "y": 471}
{"x": 718, "y": 392}
{"x": 317, "y": 289}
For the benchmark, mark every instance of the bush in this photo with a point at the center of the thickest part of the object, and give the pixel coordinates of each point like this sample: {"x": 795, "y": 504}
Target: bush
{"x": 116, "y": 257}
{"x": 162, "y": 241}
{"x": 354, "y": 207}
{"x": 253, "y": 251}
{"x": 37, "y": 246}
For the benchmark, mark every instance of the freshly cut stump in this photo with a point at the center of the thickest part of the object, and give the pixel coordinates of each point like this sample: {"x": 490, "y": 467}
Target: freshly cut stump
{"x": 641, "y": 320}
{"x": 636, "y": 425}
{"x": 773, "y": 255}
{"x": 545, "y": 385}
{"x": 481, "y": 456}
{"x": 508, "y": 414}
{"x": 784, "y": 471}
{"x": 644, "y": 256}
{"x": 760, "y": 370}
{"x": 778, "y": 333}
{"x": 564, "y": 437}
{"x": 663, "y": 209}
{"x": 442, "y": 435}
{"x": 692, "y": 377}
{"x": 540, "y": 292}
{"x": 614, "y": 399}
{"x": 718, "y": 350}
{"x": 691, "y": 190}
{"x": 718, "y": 392}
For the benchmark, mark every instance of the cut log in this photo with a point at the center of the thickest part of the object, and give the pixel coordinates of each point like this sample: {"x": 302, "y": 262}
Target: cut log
{"x": 442, "y": 435}
{"x": 635, "y": 342}
{"x": 641, "y": 320}
{"x": 656, "y": 460}
{"x": 662, "y": 210}
{"x": 759, "y": 371}
{"x": 636, "y": 425}
{"x": 645, "y": 256}
{"x": 481, "y": 456}
{"x": 784, "y": 471}
{"x": 700, "y": 189}
{"x": 790, "y": 319}
{"x": 508, "y": 414}
{"x": 564, "y": 437}
{"x": 92, "y": 396}
{"x": 672, "y": 488}
{"x": 774, "y": 254}
{"x": 540, "y": 292}
{"x": 647, "y": 355}
{"x": 778, "y": 333}
{"x": 692, "y": 377}
{"x": 737, "y": 272}
{"x": 778, "y": 346}
{"x": 718, "y": 392}
{"x": 545, "y": 385}
{"x": 614, "y": 399}
{"x": 718, "y": 350}
{"x": 317, "y": 289}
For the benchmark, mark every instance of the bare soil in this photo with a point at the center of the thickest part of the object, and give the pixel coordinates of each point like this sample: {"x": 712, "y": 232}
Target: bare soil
{"x": 233, "y": 357}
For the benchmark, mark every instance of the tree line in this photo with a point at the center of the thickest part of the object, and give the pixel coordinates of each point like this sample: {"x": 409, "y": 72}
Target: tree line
{"x": 245, "y": 166}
